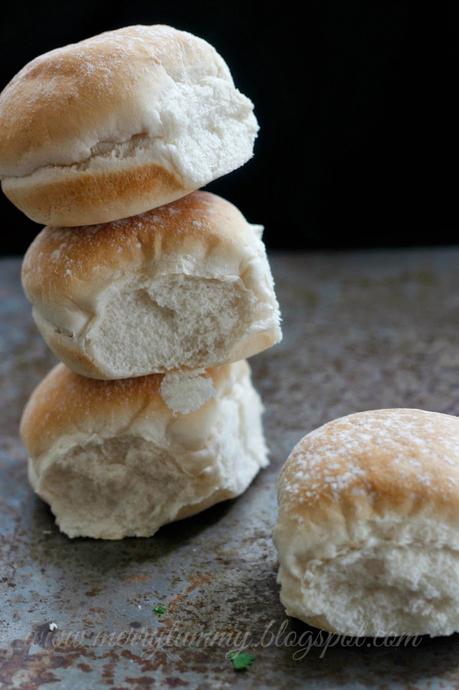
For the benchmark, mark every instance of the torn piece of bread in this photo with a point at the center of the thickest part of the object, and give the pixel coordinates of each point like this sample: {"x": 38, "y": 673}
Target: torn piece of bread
{"x": 119, "y": 124}
{"x": 187, "y": 285}
{"x": 122, "y": 458}
{"x": 368, "y": 526}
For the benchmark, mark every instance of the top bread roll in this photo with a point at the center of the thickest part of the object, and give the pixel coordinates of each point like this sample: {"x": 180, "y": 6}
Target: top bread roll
{"x": 119, "y": 124}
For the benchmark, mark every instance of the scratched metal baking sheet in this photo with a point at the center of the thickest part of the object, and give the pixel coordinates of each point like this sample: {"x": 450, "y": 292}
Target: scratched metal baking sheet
{"x": 362, "y": 330}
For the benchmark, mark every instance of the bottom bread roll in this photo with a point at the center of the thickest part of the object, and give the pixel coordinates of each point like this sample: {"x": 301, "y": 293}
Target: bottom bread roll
{"x": 122, "y": 458}
{"x": 368, "y": 526}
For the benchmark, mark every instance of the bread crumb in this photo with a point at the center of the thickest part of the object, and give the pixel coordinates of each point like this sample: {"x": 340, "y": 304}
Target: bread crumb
{"x": 186, "y": 392}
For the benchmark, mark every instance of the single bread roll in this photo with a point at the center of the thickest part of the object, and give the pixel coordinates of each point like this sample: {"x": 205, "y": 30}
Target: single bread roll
{"x": 121, "y": 458}
{"x": 119, "y": 124}
{"x": 184, "y": 286}
{"x": 368, "y": 527}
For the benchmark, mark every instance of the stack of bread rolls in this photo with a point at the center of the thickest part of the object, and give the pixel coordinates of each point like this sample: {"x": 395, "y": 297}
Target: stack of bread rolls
{"x": 151, "y": 293}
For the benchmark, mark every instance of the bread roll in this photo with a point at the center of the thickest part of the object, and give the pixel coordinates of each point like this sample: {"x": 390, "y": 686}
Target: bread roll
{"x": 184, "y": 286}
{"x": 119, "y": 124}
{"x": 368, "y": 526}
{"x": 121, "y": 458}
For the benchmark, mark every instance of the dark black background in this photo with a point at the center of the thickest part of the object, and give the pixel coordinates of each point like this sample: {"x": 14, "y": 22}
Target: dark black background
{"x": 357, "y": 103}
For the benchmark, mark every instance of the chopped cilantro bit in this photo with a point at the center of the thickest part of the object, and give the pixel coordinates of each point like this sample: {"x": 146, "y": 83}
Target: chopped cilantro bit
{"x": 241, "y": 660}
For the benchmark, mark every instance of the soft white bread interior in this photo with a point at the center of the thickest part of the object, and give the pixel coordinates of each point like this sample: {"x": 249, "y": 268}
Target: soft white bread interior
{"x": 118, "y": 124}
{"x": 187, "y": 285}
{"x": 368, "y": 526}
{"x": 121, "y": 458}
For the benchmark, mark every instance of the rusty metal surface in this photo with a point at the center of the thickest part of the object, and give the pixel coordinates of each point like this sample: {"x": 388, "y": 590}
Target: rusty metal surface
{"x": 362, "y": 330}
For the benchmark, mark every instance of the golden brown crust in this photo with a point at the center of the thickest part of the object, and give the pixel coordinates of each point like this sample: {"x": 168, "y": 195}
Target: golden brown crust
{"x": 65, "y": 263}
{"x": 65, "y": 402}
{"x": 65, "y": 399}
{"x": 93, "y": 197}
{"x": 368, "y": 464}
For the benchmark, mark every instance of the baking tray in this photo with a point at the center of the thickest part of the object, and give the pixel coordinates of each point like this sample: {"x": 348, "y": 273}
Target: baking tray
{"x": 362, "y": 330}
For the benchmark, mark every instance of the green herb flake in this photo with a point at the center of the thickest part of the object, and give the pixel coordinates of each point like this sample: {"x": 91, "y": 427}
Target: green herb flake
{"x": 159, "y": 610}
{"x": 241, "y": 660}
